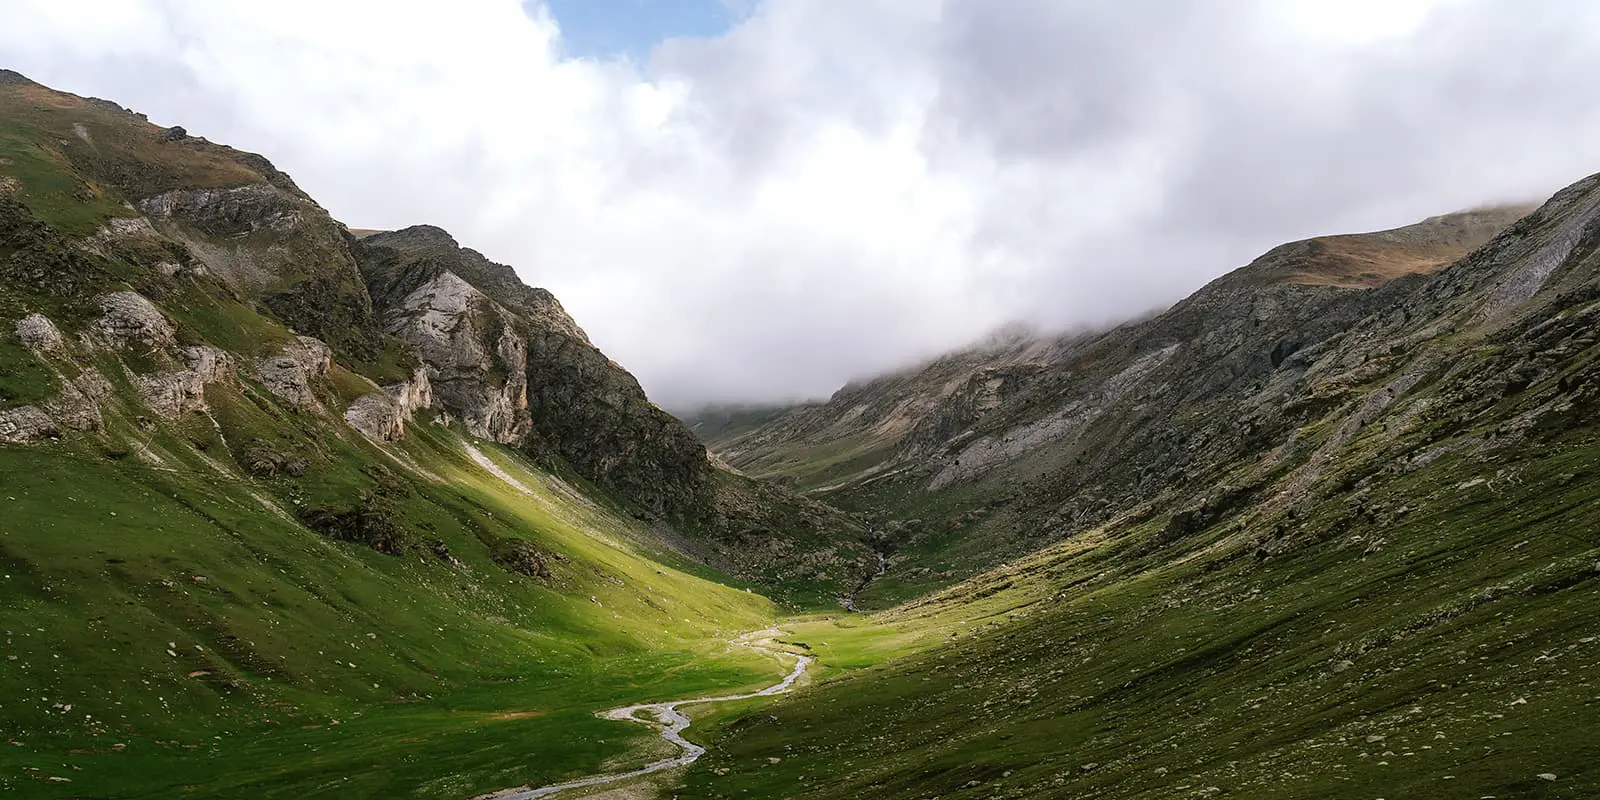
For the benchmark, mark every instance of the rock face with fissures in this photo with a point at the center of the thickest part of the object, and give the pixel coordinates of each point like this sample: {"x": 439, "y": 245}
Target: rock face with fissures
{"x": 510, "y": 363}
{"x": 128, "y": 319}
{"x": 172, "y": 394}
{"x": 383, "y": 414}
{"x": 39, "y": 334}
{"x": 289, "y": 372}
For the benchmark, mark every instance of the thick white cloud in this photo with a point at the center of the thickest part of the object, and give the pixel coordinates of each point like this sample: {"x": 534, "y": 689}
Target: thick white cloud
{"x": 830, "y": 189}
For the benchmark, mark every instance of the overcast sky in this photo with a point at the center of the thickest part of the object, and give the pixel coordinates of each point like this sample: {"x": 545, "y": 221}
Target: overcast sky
{"x": 812, "y": 190}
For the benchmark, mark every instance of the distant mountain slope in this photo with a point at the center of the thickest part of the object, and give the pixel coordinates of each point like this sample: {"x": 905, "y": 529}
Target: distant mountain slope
{"x": 725, "y": 422}
{"x": 1303, "y": 541}
{"x": 988, "y": 453}
{"x": 855, "y": 434}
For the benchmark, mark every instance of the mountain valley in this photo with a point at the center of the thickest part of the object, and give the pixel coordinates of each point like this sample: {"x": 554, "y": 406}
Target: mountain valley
{"x": 297, "y": 510}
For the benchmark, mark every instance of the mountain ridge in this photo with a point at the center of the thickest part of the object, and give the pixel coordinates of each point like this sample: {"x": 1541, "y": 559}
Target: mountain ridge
{"x": 1006, "y": 426}
{"x": 503, "y": 358}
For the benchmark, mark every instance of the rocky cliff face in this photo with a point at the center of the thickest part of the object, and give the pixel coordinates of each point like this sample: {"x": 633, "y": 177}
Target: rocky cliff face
{"x": 271, "y": 242}
{"x": 383, "y": 415}
{"x": 476, "y": 361}
{"x": 508, "y": 361}
{"x": 513, "y": 365}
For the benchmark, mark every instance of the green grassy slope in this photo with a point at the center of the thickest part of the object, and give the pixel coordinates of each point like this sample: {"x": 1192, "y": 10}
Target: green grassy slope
{"x": 1450, "y": 652}
{"x": 171, "y": 628}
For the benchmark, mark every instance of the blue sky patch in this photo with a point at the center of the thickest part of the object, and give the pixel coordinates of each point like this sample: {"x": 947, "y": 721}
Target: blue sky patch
{"x": 603, "y": 28}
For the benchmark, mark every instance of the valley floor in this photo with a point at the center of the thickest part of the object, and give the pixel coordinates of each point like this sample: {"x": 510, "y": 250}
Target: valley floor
{"x": 1451, "y": 651}
{"x": 670, "y": 722}
{"x": 165, "y": 637}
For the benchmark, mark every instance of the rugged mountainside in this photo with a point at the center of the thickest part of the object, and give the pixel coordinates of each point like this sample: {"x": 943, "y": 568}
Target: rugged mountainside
{"x": 122, "y": 225}
{"x": 989, "y": 453}
{"x": 515, "y": 368}
{"x": 1303, "y": 538}
{"x": 519, "y": 370}
{"x": 859, "y": 432}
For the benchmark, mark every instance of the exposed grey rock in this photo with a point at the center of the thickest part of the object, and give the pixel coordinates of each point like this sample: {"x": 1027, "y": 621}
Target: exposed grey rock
{"x": 383, "y": 415}
{"x": 234, "y": 211}
{"x": 117, "y": 230}
{"x": 77, "y": 405}
{"x": 211, "y": 222}
{"x": 123, "y": 227}
{"x": 1070, "y": 420}
{"x": 172, "y": 394}
{"x": 477, "y": 362}
{"x": 25, "y": 424}
{"x": 210, "y": 363}
{"x": 39, "y": 334}
{"x": 499, "y": 281}
{"x": 271, "y": 242}
{"x": 129, "y": 320}
{"x": 289, "y": 373}
{"x": 1566, "y": 223}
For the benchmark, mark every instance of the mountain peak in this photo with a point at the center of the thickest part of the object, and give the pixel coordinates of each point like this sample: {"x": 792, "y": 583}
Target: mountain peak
{"x": 415, "y": 236}
{"x": 1365, "y": 260}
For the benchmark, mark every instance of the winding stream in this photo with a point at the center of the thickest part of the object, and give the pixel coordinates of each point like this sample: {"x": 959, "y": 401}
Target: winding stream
{"x": 672, "y": 722}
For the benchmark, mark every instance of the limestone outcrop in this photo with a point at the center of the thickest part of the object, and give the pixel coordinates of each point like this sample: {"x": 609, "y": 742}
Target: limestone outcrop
{"x": 383, "y": 415}
{"x": 128, "y": 319}
{"x": 477, "y": 362}
{"x": 289, "y": 373}
{"x": 76, "y": 407}
{"x": 25, "y": 424}
{"x": 178, "y": 392}
{"x": 268, "y": 241}
{"x": 39, "y": 334}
